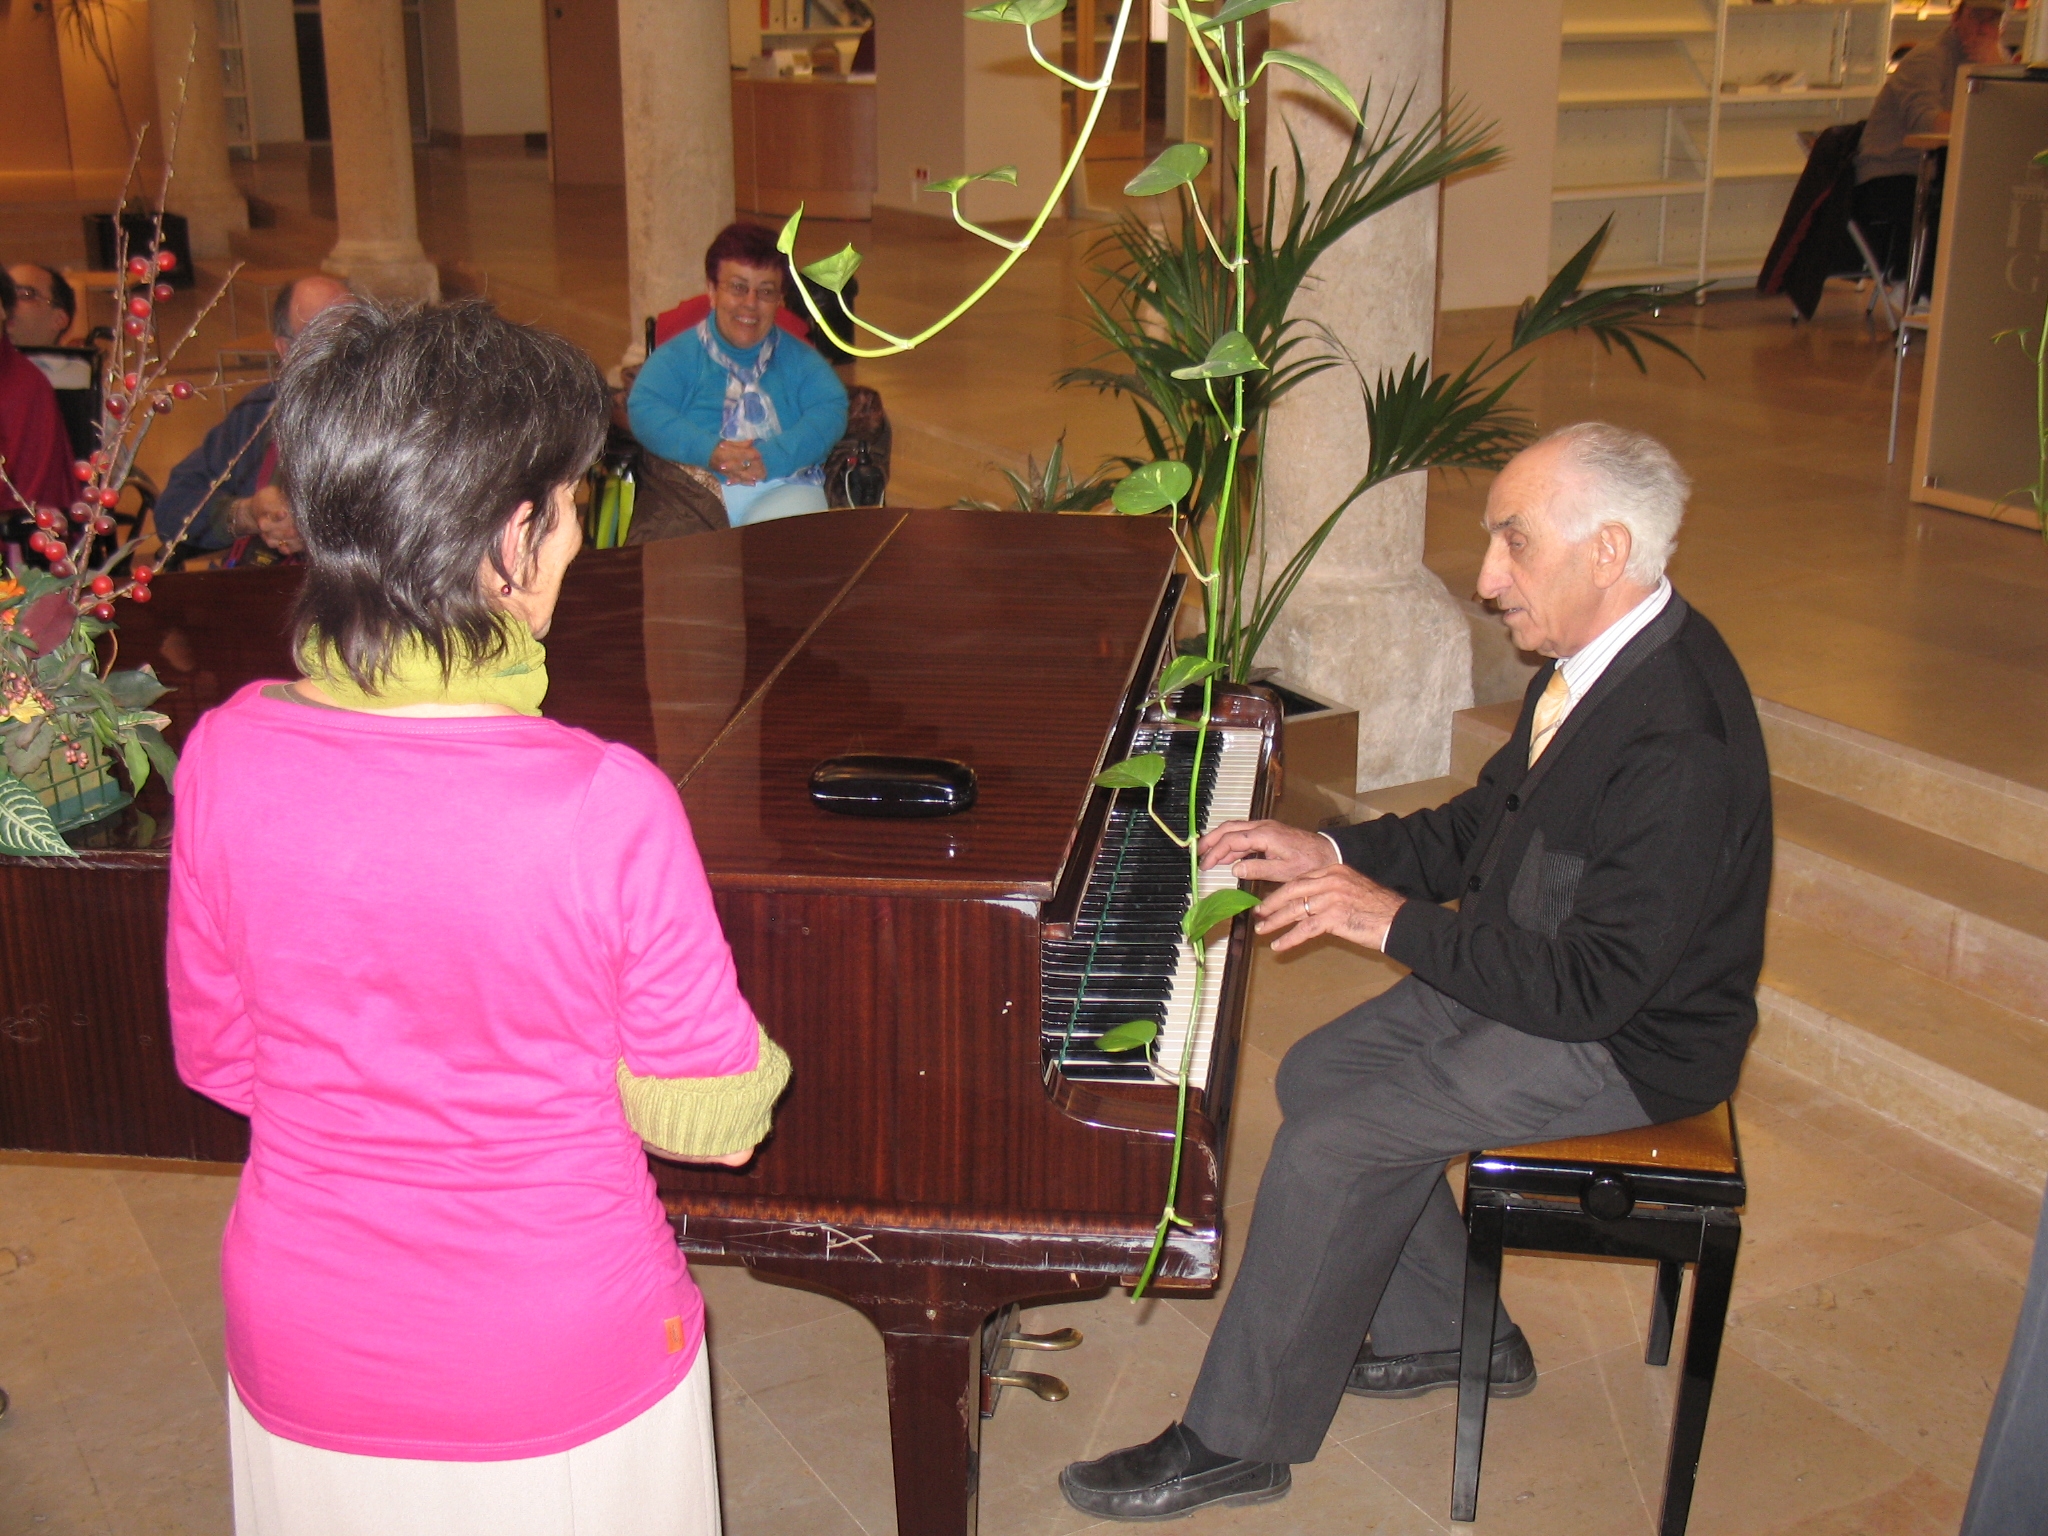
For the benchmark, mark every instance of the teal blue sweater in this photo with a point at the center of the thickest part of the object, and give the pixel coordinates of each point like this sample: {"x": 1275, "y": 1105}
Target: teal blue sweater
{"x": 679, "y": 398}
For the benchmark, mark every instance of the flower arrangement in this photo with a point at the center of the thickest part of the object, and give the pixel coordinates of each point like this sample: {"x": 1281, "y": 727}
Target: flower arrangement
{"x": 67, "y": 717}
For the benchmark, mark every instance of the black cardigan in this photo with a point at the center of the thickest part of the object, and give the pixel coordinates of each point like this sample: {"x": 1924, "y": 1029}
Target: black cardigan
{"x": 1616, "y": 890}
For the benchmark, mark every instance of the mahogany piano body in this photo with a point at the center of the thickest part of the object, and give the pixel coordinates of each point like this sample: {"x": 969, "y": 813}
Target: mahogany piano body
{"x": 926, "y": 1165}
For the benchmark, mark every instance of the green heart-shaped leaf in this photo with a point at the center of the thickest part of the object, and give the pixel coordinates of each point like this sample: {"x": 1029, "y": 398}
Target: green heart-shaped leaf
{"x": 834, "y": 271}
{"x": 1140, "y": 772}
{"x": 785, "y": 241}
{"x": 1309, "y": 69}
{"x": 1152, "y": 486}
{"x": 25, "y": 825}
{"x": 1237, "y": 10}
{"x": 1024, "y": 13}
{"x": 1214, "y": 908}
{"x": 1177, "y": 165}
{"x": 1003, "y": 173}
{"x": 137, "y": 762}
{"x": 1129, "y": 1036}
{"x": 1183, "y": 670}
{"x": 1229, "y": 355}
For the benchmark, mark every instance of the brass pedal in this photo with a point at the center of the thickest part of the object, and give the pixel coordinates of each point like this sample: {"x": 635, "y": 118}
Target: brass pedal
{"x": 1047, "y": 1389}
{"x": 1063, "y": 1338}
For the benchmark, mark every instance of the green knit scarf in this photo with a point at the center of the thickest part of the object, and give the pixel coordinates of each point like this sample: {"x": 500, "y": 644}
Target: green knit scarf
{"x": 517, "y": 677}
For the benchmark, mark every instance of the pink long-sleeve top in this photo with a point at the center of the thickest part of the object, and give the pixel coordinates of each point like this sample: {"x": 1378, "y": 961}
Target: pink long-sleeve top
{"x": 413, "y": 951}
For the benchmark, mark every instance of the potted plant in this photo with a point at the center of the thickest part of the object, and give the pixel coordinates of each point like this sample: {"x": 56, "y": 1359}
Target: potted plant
{"x": 70, "y": 721}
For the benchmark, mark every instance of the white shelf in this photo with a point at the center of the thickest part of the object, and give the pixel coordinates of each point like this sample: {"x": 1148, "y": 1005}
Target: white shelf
{"x": 1615, "y": 74}
{"x": 1694, "y": 176}
{"x": 1594, "y": 193}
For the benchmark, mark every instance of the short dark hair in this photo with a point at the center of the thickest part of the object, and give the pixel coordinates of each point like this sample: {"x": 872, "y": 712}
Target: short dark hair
{"x": 6, "y": 294}
{"x": 748, "y": 244}
{"x": 407, "y": 440}
{"x": 281, "y": 310}
{"x": 61, "y": 296}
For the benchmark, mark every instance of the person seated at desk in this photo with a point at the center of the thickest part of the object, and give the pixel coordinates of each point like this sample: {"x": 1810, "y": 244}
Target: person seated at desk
{"x": 754, "y": 405}
{"x": 32, "y": 439}
{"x": 1918, "y": 97}
{"x": 1611, "y": 865}
{"x": 221, "y": 496}
{"x": 44, "y": 306}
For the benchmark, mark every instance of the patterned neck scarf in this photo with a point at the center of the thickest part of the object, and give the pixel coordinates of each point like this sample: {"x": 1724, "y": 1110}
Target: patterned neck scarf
{"x": 749, "y": 413}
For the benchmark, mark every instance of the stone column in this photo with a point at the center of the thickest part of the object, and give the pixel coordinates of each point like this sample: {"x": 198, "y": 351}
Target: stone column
{"x": 675, "y": 95}
{"x": 184, "y": 38}
{"x": 379, "y": 250}
{"x": 1369, "y": 626}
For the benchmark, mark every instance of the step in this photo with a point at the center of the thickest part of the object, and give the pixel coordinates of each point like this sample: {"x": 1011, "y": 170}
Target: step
{"x": 1943, "y": 908}
{"x": 1967, "y": 805}
{"x": 1952, "y": 1066}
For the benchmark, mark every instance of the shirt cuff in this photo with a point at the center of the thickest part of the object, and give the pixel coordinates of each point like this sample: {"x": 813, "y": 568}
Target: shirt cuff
{"x": 1336, "y": 853}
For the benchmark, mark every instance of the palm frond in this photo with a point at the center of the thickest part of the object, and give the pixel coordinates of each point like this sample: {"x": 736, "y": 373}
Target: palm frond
{"x": 1615, "y": 315}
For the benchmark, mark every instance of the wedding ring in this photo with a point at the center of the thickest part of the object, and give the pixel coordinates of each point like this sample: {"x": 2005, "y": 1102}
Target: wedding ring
{"x": 1306, "y": 909}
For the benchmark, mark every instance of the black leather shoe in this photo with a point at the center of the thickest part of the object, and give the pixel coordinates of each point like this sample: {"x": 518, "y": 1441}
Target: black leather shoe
{"x": 1514, "y": 1371}
{"x": 1168, "y": 1477}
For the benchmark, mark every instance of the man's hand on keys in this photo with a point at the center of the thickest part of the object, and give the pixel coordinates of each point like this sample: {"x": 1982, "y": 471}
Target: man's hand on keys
{"x": 1317, "y": 894}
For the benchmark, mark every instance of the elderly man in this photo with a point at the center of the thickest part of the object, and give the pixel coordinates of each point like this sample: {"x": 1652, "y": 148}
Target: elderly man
{"x": 1611, "y": 868}
{"x": 44, "y": 305}
{"x": 220, "y": 496}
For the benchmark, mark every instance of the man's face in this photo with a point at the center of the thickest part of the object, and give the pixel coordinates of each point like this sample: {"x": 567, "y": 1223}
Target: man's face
{"x": 1545, "y": 587}
{"x": 310, "y": 295}
{"x": 34, "y": 323}
{"x": 745, "y": 300}
{"x": 1977, "y": 28}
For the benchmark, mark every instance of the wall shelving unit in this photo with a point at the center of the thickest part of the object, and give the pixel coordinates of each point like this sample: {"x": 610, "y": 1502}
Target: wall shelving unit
{"x": 234, "y": 79}
{"x": 1680, "y": 120}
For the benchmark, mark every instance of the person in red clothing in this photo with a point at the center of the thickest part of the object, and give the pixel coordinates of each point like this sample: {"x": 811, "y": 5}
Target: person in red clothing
{"x": 32, "y": 439}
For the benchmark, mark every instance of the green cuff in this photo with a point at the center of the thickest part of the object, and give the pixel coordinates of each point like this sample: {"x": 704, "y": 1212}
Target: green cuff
{"x": 693, "y": 1117}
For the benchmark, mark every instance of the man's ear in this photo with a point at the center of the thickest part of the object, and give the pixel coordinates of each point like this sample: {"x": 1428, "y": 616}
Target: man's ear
{"x": 1611, "y": 548}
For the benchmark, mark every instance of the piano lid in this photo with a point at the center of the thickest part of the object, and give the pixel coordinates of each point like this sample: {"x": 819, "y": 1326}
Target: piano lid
{"x": 1006, "y": 640}
{"x": 740, "y": 660}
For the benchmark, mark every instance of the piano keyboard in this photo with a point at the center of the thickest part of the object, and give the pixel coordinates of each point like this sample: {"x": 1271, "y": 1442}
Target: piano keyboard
{"x": 1126, "y": 958}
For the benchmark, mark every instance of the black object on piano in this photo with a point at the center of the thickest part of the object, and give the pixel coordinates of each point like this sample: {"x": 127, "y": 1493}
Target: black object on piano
{"x": 864, "y": 784}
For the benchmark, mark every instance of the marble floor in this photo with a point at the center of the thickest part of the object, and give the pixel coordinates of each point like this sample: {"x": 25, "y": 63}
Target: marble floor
{"x": 1875, "y": 1297}
{"x": 1880, "y": 1275}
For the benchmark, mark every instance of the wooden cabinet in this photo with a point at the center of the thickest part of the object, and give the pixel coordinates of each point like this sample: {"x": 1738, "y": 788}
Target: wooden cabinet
{"x": 804, "y": 141}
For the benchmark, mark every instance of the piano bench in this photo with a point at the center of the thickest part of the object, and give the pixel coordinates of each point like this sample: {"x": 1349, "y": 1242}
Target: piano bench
{"x": 1672, "y": 1193}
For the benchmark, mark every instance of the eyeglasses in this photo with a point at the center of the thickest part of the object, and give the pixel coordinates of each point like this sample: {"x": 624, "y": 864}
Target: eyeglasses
{"x": 738, "y": 288}
{"x": 33, "y": 295}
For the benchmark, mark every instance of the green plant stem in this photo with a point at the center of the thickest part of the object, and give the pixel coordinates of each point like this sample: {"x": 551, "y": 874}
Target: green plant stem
{"x": 1212, "y": 598}
{"x": 1100, "y": 91}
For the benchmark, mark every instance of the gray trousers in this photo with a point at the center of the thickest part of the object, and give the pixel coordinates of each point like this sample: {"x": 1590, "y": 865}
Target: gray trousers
{"x": 1355, "y": 1224}
{"x": 2009, "y": 1494}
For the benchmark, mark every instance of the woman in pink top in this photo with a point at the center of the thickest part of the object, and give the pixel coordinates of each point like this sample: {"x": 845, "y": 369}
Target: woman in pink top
{"x": 453, "y": 1300}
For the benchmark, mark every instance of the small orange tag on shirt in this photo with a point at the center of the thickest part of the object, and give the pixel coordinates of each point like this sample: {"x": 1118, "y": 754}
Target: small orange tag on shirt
{"x": 673, "y": 1326}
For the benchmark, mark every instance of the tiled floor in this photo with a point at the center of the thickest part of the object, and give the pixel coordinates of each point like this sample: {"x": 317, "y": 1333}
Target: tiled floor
{"x": 1875, "y": 1298}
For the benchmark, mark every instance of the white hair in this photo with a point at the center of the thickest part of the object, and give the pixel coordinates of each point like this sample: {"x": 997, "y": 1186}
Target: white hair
{"x": 1628, "y": 478}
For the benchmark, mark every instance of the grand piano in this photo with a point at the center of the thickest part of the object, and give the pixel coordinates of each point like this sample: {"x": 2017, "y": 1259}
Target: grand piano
{"x": 951, "y": 1144}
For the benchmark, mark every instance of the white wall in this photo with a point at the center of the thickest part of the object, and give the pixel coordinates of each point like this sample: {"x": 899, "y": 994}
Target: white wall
{"x": 273, "y": 61}
{"x": 954, "y": 95}
{"x": 504, "y": 66}
{"x": 1503, "y": 58}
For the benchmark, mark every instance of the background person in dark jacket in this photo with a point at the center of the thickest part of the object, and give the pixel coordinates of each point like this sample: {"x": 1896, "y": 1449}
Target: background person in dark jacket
{"x": 1611, "y": 868}
{"x": 246, "y": 504}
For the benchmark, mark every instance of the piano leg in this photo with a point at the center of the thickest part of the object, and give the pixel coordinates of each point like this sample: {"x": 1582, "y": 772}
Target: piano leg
{"x": 931, "y": 1318}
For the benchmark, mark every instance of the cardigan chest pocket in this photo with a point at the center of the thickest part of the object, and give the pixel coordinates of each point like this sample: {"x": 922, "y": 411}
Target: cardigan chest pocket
{"x": 1545, "y": 887}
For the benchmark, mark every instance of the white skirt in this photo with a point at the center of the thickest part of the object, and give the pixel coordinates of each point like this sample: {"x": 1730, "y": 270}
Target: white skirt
{"x": 655, "y": 1475}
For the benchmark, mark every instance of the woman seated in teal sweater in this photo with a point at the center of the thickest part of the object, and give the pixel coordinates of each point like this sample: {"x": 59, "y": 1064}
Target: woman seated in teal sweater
{"x": 752, "y": 404}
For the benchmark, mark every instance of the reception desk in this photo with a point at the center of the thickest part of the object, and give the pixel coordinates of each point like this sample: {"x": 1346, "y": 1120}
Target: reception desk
{"x": 804, "y": 141}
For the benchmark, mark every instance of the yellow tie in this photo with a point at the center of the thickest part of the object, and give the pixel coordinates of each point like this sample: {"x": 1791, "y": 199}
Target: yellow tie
{"x": 1550, "y": 709}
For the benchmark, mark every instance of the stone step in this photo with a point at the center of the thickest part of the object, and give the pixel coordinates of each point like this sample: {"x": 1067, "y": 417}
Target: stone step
{"x": 1950, "y": 1065}
{"x": 1943, "y": 908}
